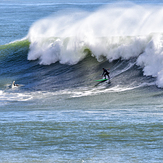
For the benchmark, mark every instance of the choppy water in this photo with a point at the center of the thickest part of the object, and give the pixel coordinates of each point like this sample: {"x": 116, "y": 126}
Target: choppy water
{"x": 54, "y": 51}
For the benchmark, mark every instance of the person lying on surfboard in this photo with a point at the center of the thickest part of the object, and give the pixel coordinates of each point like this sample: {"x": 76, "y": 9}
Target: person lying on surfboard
{"x": 14, "y": 84}
{"x": 105, "y": 73}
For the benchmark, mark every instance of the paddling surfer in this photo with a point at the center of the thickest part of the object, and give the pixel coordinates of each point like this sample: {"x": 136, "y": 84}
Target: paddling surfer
{"x": 106, "y": 73}
{"x": 13, "y": 84}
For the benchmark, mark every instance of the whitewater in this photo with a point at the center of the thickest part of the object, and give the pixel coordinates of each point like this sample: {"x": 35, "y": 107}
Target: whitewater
{"x": 55, "y": 52}
{"x": 137, "y": 32}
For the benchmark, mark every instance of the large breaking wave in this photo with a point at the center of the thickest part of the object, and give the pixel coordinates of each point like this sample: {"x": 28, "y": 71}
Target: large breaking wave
{"x": 116, "y": 31}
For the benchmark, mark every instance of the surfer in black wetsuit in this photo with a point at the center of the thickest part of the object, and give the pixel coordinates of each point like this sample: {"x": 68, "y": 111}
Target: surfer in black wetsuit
{"x": 105, "y": 73}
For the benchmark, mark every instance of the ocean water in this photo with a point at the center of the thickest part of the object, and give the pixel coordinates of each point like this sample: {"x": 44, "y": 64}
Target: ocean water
{"x": 55, "y": 51}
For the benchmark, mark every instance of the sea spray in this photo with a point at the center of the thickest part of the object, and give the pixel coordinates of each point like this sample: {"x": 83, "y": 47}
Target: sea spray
{"x": 151, "y": 60}
{"x": 116, "y": 31}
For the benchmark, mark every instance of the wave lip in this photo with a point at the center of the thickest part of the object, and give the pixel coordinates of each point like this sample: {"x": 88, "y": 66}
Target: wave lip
{"x": 114, "y": 31}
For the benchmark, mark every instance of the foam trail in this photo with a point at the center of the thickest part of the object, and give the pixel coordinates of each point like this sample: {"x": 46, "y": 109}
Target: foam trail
{"x": 12, "y": 96}
{"x": 114, "y": 31}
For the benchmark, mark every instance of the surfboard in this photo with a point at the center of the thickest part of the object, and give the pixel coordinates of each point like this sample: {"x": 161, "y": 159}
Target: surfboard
{"x": 100, "y": 80}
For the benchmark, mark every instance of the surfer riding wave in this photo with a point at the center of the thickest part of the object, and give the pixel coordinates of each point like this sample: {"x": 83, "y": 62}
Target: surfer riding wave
{"x": 106, "y": 73}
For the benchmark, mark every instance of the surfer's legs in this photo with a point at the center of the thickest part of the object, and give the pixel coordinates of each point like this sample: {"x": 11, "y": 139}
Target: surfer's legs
{"x": 107, "y": 76}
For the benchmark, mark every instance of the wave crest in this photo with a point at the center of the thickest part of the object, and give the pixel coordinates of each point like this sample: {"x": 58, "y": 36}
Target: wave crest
{"x": 114, "y": 31}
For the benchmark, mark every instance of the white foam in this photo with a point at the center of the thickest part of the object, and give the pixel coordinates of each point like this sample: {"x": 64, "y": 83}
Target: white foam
{"x": 82, "y": 92}
{"x": 14, "y": 96}
{"x": 122, "y": 30}
{"x": 152, "y": 60}
{"x": 64, "y": 37}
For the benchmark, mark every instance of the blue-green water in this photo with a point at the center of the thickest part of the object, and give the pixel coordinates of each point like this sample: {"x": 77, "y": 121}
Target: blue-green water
{"x": 55, "y": 52}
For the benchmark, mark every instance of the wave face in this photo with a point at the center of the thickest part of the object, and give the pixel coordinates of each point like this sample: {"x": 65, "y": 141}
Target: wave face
{"x": 77, "y": 80}
{"x": 116, "y": 31}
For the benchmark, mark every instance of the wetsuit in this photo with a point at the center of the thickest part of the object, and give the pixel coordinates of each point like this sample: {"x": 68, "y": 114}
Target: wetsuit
{"x": 105, "y": 73}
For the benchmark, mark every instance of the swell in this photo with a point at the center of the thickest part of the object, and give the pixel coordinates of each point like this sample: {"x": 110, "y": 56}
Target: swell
{"x": 57, "y": 76}
{"x": 16, "y": 67}
{"x": 13, "y": 61}
{"x": 13, "y": 53}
